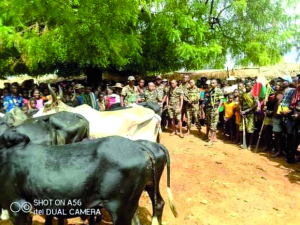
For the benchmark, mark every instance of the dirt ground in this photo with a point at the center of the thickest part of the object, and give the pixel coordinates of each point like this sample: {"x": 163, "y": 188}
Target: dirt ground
{"x": 223, "y": 185}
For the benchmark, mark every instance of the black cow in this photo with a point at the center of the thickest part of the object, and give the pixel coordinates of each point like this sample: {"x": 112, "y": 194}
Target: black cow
{"x": 57, "y": 129}
{"x": 111, "y": 171}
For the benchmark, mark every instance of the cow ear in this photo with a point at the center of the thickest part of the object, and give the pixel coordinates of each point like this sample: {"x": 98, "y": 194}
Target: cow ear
{"x": 11, "y": 138}
{"x": 10, "y": 119}
{"x": 15, "y": 117}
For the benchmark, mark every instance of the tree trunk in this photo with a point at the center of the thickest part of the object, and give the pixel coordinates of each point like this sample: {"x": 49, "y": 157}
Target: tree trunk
{"x": 94, "y": 75}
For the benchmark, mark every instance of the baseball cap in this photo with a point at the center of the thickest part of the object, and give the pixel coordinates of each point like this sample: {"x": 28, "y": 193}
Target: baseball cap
{"x": 158, "y": 77}
{"x": 131, "y": 78}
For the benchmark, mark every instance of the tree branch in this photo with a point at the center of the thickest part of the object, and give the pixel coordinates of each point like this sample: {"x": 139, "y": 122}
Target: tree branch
{"x": 223, "y": 32}
{"x": 211, "y": 7}
{"x": 209, "y": 18}
{"x": 223, "y": 10}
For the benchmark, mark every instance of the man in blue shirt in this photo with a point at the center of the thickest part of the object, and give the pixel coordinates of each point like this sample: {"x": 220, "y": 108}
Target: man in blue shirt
{"x": 13, "y": 99}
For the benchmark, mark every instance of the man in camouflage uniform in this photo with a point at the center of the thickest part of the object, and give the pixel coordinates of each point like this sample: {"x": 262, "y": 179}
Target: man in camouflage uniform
{"x": 165, "y": 115}
{"x": 141, "y": 89}
{"x": 175, "y": 102}
{"x": 248, "y": 106}
{"x": 165, "y": 82}
{"x": 184, "y": 87}
{"x": 159, "y": 86}
{"x": 129, "y": 93}
{"x": 166, "y": 90}
{"x": 151, "y": 95}
{"x": 193, "y": 106}
{"x": 216, "y": 101}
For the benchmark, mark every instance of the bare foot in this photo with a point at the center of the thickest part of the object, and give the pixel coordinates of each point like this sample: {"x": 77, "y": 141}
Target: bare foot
{"x": 187, "y": 133}
{"x": 210, "y": 143}
{"x": 205, "y": 137}
{"x": 277, "y": 154}
{"x": 173, "y": 133}
{"x": 181, "y": 135}
{"x": 199, "y": 132}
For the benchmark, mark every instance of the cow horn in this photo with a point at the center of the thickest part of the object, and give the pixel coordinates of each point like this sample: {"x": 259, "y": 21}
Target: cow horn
{"x": 74, "y": 96}
{"x": 54, "y": 97}
{"x": 60, "y": 95}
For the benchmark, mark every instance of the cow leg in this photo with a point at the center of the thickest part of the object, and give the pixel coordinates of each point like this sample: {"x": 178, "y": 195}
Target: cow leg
{"x": 121, "y": 211}
{"x": 48, "y": 220}
{"x": 159, "y": 202}
{"x": 20, "y": 219}
{"x": 92, "y": 220}
{"x": 61, "y": 221}
{"x": 98, "y": 219}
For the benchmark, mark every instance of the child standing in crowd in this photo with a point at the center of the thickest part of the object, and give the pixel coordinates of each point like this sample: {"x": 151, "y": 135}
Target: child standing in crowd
{"x": 101, "y": 102}
{"x": 229, "y": 117}
{"x": 25, "y": 109}
{"x": 110, "y": 98}
{"x": 39, "y": 100}
{"x": 237, "y": 94}
{"x": 25, "y": 97}
{"x": 32, "y": 107}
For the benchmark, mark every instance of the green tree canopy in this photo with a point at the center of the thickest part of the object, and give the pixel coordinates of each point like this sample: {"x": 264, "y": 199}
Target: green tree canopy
{"x": 130, "y": 36}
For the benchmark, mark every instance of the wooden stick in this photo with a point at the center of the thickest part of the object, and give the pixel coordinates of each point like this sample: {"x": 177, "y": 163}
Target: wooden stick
{"x": 260, "y": 132}
{"x": 262, "y": 126}
{"x": 244, "y": 134}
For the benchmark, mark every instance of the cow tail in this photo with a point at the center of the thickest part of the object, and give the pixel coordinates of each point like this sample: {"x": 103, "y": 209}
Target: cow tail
{"x": 155, "y": 184}
{"x": 170, "y": 195}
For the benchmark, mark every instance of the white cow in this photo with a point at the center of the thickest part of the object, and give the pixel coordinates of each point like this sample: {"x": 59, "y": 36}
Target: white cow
{"x": 136, "y": 123}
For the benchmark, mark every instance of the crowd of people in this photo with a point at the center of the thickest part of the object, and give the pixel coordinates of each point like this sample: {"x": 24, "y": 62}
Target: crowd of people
{"x": 227, "y": 105}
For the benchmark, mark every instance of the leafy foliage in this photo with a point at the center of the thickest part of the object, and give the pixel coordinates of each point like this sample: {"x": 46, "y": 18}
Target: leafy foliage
{"x": 132, "y": 36}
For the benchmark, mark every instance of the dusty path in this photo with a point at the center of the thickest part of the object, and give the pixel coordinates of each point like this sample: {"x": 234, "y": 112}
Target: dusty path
{"x": 225, "y": 185}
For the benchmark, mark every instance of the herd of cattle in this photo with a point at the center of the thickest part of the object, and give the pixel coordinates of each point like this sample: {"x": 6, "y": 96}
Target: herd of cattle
{"x": 105, "y": 159}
